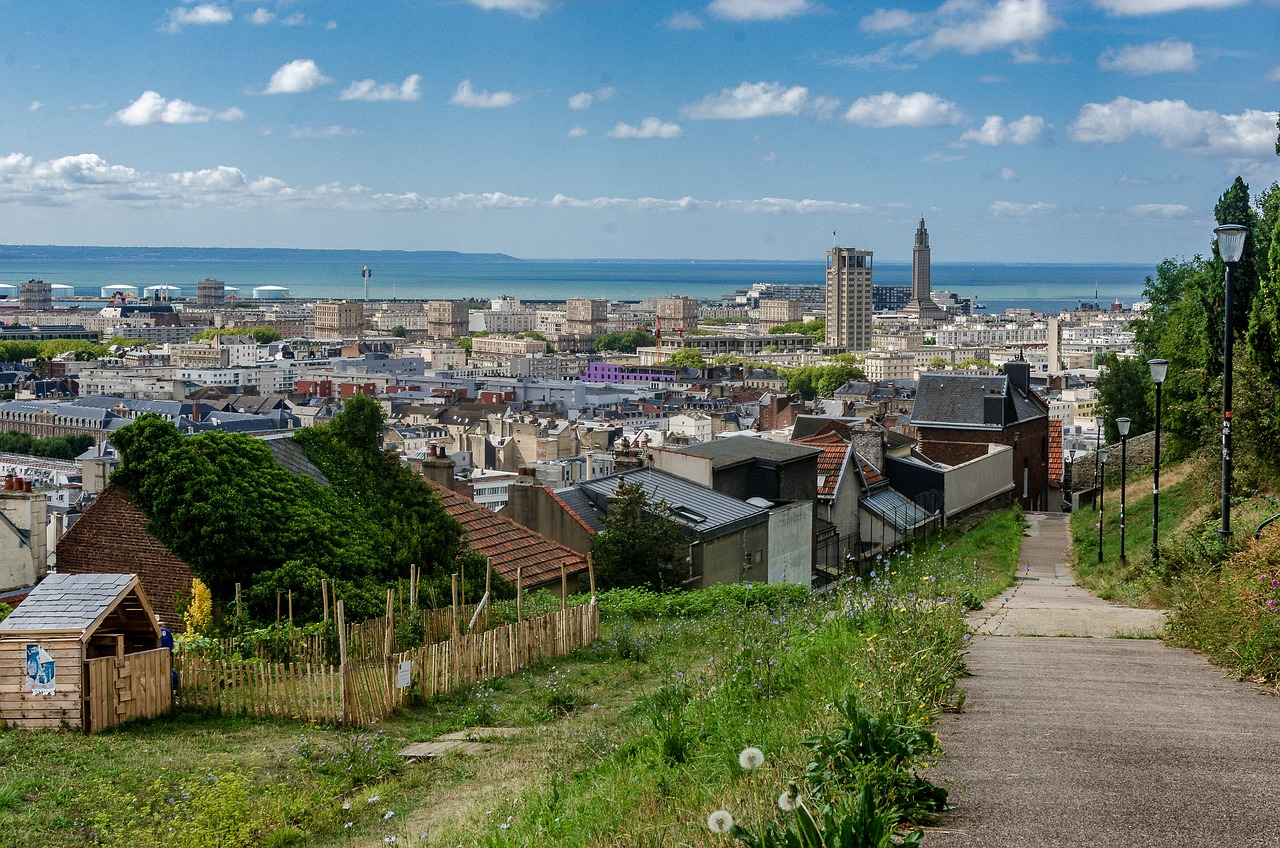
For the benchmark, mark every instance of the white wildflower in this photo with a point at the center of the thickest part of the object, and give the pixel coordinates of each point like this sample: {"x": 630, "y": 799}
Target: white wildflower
{"x": 751, "y": 758}
{"x": 720, "y": 822}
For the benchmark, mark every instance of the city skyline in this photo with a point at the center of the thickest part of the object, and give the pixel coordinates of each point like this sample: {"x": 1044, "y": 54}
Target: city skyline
{"x": 1023, "y": 130}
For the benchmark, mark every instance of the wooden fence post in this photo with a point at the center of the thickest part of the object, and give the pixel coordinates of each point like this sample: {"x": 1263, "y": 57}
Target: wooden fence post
{"x": 564, "y": 588}
{"x": 591, "y": 575}
{"x": 488, "y": 570}
{"x": 324, "y": 595}
{"x": 455, "y": 606}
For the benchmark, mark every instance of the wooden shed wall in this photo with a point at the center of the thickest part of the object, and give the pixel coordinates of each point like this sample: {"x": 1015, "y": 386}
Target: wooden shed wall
{"x": 18, "y": 706}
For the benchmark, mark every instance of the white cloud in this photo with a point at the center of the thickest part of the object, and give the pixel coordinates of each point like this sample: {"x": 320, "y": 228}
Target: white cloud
{"x": 1006, "y": 209}
{"x": 891, "y": 20}
{"x": 758, "y": 10}
{"x": 1161, "y": 210}
{"x": 331, "y": 25}
{"x": 683, "y": 21}
{"x": 150, "y": 109}
{"x": 970, "y": 26}
{"x": 910, "y": 110}
{"x": 523, "y": 8}
{"x": 472, "y": 99}
{"x": 296, "y": 77}
{"x": 410, "y": 89}
{"x": 996, "y": 132}
{"x": 199, "y": 15}
{"x": 759, "y": 100}
{"x": 1009, "y": 175}
{"x": 331, "y": 131}
{"x": 297, "y": 19}
{"x": 88, "y": 179}
{"x": 34, "y": 106}
{"x": 261, "y": 16}
{"x": 1273, "y": 75}
{"x": 577, "y": 132}
{"x": 586, "y": 99}
{"x": 1249, "y": 135}
{"x": 889, "y": 58}
{"x": 649, "y": 128}
{"x": 1169, "y": 56}
{"x": 1159, "y": 7}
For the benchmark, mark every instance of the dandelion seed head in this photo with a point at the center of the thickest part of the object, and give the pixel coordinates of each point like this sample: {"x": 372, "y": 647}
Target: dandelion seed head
{"x": 751, "y": 758}
{"x": 720, "y": 822}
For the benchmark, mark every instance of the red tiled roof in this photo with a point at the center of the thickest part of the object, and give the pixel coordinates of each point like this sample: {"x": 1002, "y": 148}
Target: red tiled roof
{"x": 1057, "y": 471}
{"x": 869, "y": 473}
{"x": 509, "y": 545}
{"x": 831, "y": 461}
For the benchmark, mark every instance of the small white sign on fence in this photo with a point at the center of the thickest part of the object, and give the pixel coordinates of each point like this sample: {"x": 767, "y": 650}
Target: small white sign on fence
{"x": 403, "y": 674}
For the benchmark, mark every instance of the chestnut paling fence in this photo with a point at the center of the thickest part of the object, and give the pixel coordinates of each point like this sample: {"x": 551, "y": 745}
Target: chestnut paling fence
{"x": 359, "y": 688}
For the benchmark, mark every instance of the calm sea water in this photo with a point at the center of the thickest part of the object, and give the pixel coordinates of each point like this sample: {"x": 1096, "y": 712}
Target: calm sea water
{"x": 1041, "y": 287}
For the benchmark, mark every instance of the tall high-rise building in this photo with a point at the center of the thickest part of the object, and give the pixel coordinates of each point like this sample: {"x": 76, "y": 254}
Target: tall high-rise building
{"x": 210, "y": 293}
{"x": 343, "y": 319}
{"x": 35, "y": 296}
{"x": 678, "y": 314}
{"x": 921, "y": 303}
{"x": 849, "y": 299}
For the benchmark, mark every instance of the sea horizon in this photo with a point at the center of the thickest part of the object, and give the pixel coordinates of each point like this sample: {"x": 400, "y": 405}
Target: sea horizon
{"x": 417, "y": 275}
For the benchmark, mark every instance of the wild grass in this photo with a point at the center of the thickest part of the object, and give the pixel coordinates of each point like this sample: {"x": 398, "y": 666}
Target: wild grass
{"x": 1223, "y": 594}
{"x": 634, "y": 740}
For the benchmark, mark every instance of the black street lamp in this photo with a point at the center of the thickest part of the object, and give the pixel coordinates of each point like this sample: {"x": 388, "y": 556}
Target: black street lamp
{"x": 1098, "y": 421}
{"x": 1230, "y": 247}
{"x": 1159, "y": 370}
{"x": 1102, "y": 488}
{"x": 1122, "y": 424}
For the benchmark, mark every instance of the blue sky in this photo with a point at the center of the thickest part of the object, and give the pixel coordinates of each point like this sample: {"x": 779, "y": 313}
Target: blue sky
{"x": 1023, "y": 130}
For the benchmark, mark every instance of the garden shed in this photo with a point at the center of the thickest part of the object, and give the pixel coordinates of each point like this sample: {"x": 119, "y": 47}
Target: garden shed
{"x": 83, "y": 651}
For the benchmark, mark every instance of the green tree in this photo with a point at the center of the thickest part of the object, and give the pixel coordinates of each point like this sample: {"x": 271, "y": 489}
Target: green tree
{"x": 686, "y": 357}
{"x": 360, "y": 423}
{"x": 625, "y": 342}
{"x": 642, "y": 544}
{"x": 264, "y": 335}
{"x": 399, "y": 331}
{"x": 816, "y": 328}
{"x": 83, "y": 350}
{"x": 1125, "y": 391}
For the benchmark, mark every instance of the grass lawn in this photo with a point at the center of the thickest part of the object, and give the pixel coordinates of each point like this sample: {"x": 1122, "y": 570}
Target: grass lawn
{"x": 633, "y": 741}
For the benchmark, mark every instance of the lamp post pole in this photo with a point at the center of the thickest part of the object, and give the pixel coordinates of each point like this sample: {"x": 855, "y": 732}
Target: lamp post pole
{"x": 1102, "y": 489}
{"x": 1159, "y": 370}
{"x": 1122, "y": 424}
{"x": 1230, "y": 247}
{"x": 1097, "y": 444}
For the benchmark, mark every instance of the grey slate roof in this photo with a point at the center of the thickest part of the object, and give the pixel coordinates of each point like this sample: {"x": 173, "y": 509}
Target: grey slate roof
{"x": 705, "y": 512}
{"x": 960, "y": 400}
{"x": 66, "y": 602}
{"x": 580, "y": 502}
{"x": 736, "y": 449}
{"x": 289, "y": 454}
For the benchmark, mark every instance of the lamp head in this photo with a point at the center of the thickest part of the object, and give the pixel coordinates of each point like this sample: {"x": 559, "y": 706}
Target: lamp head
{"x": 1122, "y": 424}
{"x": 1102, "y": 455}
{"x": 1231, "y": 242}
{"x": 1159, "y": 370}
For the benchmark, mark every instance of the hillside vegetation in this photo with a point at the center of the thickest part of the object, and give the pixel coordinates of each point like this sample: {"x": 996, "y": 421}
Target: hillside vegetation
{"x": 636, "y": 740}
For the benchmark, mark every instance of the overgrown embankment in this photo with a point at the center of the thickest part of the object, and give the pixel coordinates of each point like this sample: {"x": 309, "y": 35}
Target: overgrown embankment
{"x": 635, "y": 740}
{"x": 1223, "y": 594}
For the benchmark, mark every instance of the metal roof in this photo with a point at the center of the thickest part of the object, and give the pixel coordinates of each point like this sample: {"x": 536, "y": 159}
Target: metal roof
{"x": 731, "y": 451}
{"x": 67, "y": 602}
{"x": 706, "y": 512}
{"x": 894, "y": 509}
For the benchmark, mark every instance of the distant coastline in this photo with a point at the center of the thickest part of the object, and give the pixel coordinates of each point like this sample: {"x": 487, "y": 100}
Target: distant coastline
{"x": 416, "y": 275}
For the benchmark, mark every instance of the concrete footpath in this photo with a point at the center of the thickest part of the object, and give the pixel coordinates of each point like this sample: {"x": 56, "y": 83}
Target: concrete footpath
{"x": 1072, "y": 737}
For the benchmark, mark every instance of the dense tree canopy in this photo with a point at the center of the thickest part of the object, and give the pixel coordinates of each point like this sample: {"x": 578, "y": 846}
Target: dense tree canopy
{"x": 642, "y": 543}
{"x": 261, "y": 335}
{"x": 686, "y": 357}
{"x": 55, "y": 447}
{"x": 222, "y": 503}
{"x": 625, "y": 342}
{"x": 815, "y": 381}
{"x": 816, "y": 328}
{"x": 1185, "y": 326}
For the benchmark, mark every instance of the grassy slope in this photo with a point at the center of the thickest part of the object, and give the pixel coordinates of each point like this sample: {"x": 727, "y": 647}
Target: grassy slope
{"x": 590, "y": 770}
{"x": 1221, "y": 594}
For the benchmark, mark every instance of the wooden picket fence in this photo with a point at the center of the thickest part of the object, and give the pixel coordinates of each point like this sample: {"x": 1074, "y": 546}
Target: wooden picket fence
{"x": 364, "y": 689}
{"x": 127, "y": 686}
